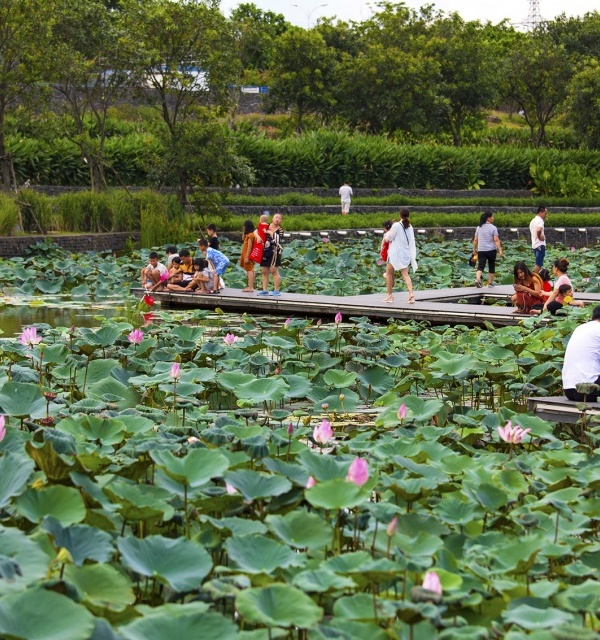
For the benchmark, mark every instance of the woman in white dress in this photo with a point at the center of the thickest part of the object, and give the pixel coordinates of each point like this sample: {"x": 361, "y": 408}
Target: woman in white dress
{"x": 402, "y": 252}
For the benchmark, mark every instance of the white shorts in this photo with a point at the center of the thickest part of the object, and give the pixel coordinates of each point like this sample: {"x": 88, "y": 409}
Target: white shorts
{"x": 345, "y": 206}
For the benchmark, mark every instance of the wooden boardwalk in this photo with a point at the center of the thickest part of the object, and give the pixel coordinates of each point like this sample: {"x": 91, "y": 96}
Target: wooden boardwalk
{"x": 466, "y": 305}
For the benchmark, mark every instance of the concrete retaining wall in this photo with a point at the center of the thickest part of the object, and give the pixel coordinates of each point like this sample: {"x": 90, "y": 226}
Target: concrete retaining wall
{"x": 12, "y": 246}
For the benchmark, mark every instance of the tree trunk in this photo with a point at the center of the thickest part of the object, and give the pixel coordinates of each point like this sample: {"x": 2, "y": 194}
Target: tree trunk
{"x": 5, "y": 180}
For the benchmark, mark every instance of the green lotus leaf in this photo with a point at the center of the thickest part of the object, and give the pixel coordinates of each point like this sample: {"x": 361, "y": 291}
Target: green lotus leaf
{"x": 419, "y": 410}
{"x": 56, "y": 466}
{"x": 80, "y": 290}
{"x": 352, "y": 630}
{"x": 258, "y": 554}
{"x": 301, "y": 529}
{"x": 101, "y": 588}
{"x": 38, "y": 614}
{"x": 315, "y": 344}
{"x": 254, "y": 485}
{"x": 238, "y": 526}
{"x": 180, "y": 563}
{"x": 337, "y": 494}
{"x": 108, "y": 431}
{"x": 49, "y": 286}
{"x": 339, "y": 379}
{"x": 187, "y": 626}
{"x": 55, "y": 354}
{"x": 106, "y": 336}
{"x": 139, "y": 501}
{"x": 322, "y": 580}
{"x": 363, "y": 606}
{"x": 457, "y": 366}
{"x": 63, "y": 503}
{"x": 278, "y": 605}
{"x": 262, "y": 390}
{"x": 123, "y": 396}
{"x": 22, "y": 400}
{"x": 27, "y": 555}
{"x": 322, "y": 467}
{"x": 580, "y": 597}
{"x": 15, "y": 470}
{"x": 81, "y": 541}
{"x": 377, "y": 379}
{"x": 97, "y": 371}
{"x": 229, "y": 380}
{"x": 299, "y": 386}
{"x": 195, "y": 469}
{"x": 468, "y": 632}
{"x": 187, "y": 333}
{"x": 533, "y": 618}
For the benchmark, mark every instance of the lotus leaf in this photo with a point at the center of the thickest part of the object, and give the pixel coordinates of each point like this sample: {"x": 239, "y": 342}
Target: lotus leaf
{"x": 189, "y": 626}
{"x": 532, "y": 618}
{"x": 254, "y": 485}
{"x": 179, "y": 563}
{"x": 139, "y": 501}
{"x": 30, "y": 563}
{"x": 15, "y": 470}
{"x": 278, "y": 605}
{"x": 364, "y": 607}
{"x": 22, "y": 400}
{"x": 322, "y": 581}
{"x": 63, "y": 503}
{"x": 262, "y": 390}
{"x": 337, "y": 494}
{"x": 258, "y": 554}
{"x": 38, "y": 614}
{"x": 101, "y": 588}
{"x": 195, "y": 469}
{"x": 301, "y": 530}
{"x": 81, "y": 541}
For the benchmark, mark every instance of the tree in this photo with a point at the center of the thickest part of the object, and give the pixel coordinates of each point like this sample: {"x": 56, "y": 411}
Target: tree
{"x": 91, "y": 68}
{"x": 468, "y": 72}
{"x": 538, "y": 74}
{"x": 186, "y": 60}
{"x": 23, "y": 50}
{"x": 584, "y": 105}
{"x": 304, "y": 75}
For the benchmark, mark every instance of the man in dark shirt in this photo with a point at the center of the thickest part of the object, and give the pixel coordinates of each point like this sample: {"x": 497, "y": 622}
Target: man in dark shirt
{"x": 213, "y": 240}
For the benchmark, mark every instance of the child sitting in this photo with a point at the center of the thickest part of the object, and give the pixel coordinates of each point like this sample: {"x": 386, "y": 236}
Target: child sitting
{"x": 563, "y": 297}
{"x": 152, "y": 273}
{"x": 219, "y": 260}
{"x": 546, "y": 284}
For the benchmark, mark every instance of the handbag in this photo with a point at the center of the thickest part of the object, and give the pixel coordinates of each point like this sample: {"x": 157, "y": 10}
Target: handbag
{"x": 473, "y": 260}
{"x": 257, "y": 252}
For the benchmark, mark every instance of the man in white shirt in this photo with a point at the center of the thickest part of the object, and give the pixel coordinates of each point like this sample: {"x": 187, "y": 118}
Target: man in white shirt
{"x": 582, "y": 359}
{"x": 538, "y": 237}
{"x": 345, "y": 195}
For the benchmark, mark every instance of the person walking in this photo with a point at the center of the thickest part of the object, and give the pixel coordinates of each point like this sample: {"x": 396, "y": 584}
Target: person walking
{"x": 582, "y": 360}
{"x": 538, "y": 237}
{"x": 402, "y": 252}
{"x": 271, "y": 259}
{"x": 486, "y": 244}
{"x": 346, "y": 196}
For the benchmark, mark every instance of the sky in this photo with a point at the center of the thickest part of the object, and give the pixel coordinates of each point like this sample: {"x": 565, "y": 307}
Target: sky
{"x": 306, "y": 13}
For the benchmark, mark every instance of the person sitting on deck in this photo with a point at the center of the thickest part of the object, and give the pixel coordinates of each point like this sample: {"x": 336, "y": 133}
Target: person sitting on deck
{"x": 153, "y": 271}
{"x": 219, "y": 260}
{"x": 582, "y": 360}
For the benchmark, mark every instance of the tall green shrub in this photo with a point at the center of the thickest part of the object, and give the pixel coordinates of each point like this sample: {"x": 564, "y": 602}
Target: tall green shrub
{"x": 162, "y": 219}
{"x": 9, "y": 214}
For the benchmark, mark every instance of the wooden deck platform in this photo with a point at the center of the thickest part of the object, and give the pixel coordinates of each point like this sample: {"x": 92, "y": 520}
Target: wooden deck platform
{"x": 466, "y": 305}
{"x": 560, "y": 409}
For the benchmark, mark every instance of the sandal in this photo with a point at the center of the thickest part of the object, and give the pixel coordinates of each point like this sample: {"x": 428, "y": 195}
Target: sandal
{"x": 389, "y": 298}
{"x": 411, "y": 299}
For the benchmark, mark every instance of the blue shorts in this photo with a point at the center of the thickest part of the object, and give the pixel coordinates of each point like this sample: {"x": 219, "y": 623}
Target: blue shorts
{"x": 540, "y": 254}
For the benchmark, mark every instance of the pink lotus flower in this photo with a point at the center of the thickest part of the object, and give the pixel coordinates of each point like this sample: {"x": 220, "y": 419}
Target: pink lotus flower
{"x": 136, "y": 336}
{"x": 432, "y": 582}
{"x": 319, "y": 322}
{"x": 2, "y": 428}
{"x": 325, "y": 406}
{"x": 402, "y": 412}
{"x": 358, "y": 472}
{"x": 323, "y": 432}
{"x": 230, "y": 339}
{"x": 286, "y": 324}
{"x": 231, "y": 490}
{"x": 392, "y": 526}
{"x": 338, "y": 317}
{"x": 193, "y": 439}
{"x": 311, "y": 482}
{"x": 30, "y": 337}
{"x": 326, "y": 240}
{"x": 512, "y": 435}
{"x": 290, "y": 429}
{"x": 175, "y": 372}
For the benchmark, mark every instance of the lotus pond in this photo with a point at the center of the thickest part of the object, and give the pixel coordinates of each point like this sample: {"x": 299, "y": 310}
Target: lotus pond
{"x": 214, "y": 477}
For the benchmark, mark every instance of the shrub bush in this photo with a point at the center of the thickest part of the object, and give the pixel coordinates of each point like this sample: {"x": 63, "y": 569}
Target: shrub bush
{"x": 9, "y": 214}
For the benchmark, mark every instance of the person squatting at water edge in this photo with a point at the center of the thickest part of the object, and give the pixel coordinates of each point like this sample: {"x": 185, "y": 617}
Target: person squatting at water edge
{"x": 401, "y": 253}
{"x": 486, "y": 244}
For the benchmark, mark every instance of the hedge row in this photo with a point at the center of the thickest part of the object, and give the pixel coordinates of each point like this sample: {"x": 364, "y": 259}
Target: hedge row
{"x": 323, "y": 158}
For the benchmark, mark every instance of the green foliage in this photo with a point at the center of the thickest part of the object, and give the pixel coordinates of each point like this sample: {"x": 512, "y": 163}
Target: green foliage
{"x": 565, "y": 179}
{"x": 9, "y": 214}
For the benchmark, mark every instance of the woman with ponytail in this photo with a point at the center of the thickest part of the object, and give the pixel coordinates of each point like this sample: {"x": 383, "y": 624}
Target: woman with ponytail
{"x": 402, "y": 252}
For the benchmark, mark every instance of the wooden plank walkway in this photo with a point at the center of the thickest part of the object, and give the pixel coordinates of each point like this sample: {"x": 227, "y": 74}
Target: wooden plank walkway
{"x": 560, "y": 409}
{"x": 439, "y": 306}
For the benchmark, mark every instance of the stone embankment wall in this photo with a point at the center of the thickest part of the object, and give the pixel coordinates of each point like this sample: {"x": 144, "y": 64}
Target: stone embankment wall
{"x": 12, "y": 246}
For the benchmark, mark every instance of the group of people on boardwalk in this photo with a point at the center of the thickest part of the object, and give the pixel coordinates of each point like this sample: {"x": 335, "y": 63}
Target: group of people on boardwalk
{"x": 183, "y": 273}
